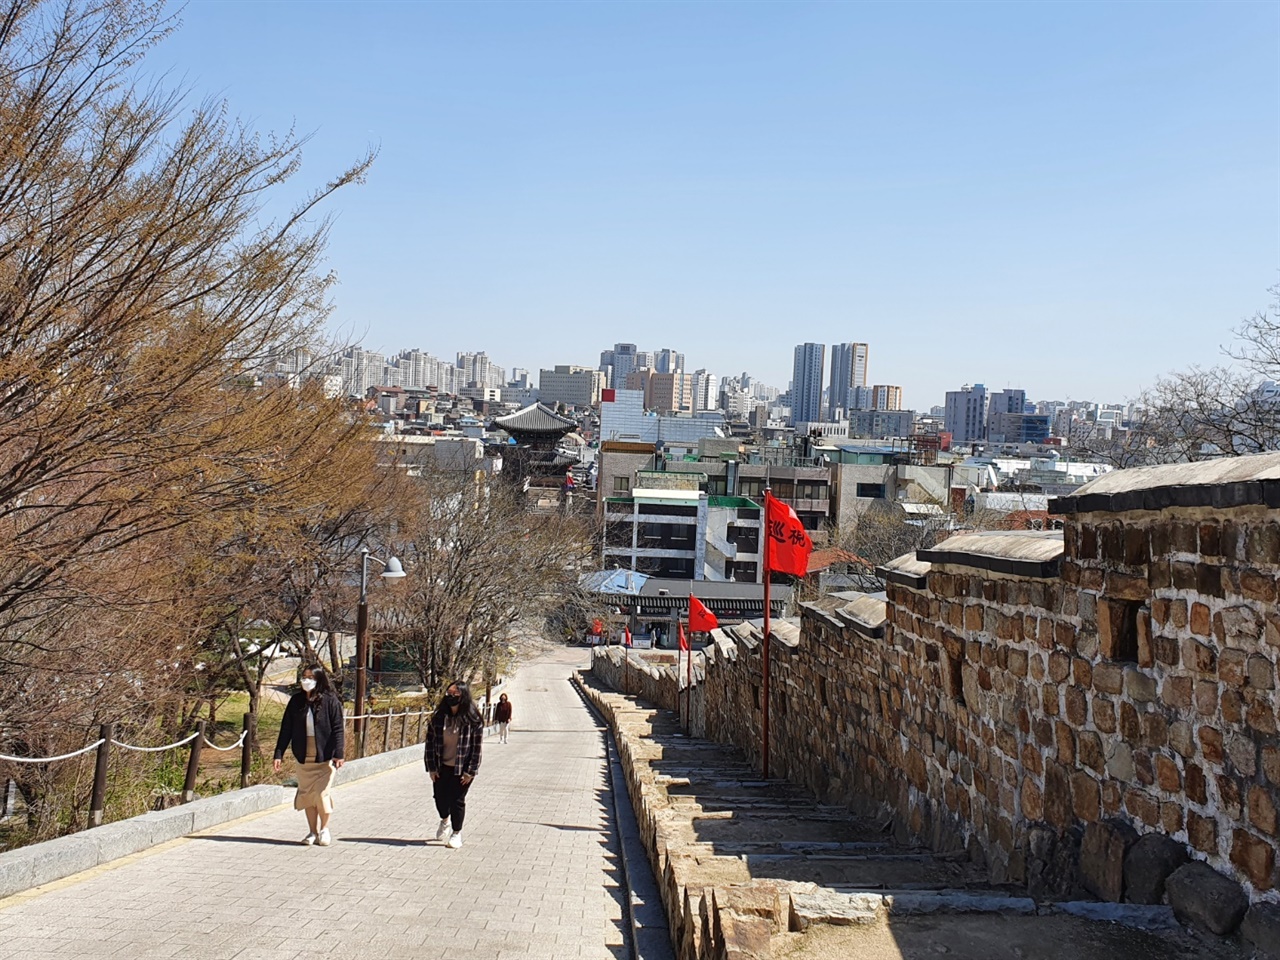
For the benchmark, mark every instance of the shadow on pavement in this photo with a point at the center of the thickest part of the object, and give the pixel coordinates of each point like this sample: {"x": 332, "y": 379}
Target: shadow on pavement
{"x": 560, "y": 826}
{"x": 384, "y": 841}
{"x": 224, "y": 838}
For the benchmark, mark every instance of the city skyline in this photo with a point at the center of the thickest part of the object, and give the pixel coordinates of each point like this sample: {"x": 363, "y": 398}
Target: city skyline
{"x": 1083, "y": 195}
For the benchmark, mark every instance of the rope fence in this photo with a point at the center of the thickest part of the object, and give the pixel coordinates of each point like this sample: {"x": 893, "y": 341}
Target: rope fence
{"x": 171, "y": 746}
{"x": 239, "y": 740}
{"x": 64, "y": 756}
{"x": 244, "y": 743}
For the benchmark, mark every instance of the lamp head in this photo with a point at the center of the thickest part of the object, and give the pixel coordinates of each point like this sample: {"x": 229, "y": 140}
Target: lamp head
{"x": 393, "y": 570}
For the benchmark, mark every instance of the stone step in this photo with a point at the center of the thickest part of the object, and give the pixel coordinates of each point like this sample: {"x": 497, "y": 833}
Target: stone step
{"x": 861, "y": 873}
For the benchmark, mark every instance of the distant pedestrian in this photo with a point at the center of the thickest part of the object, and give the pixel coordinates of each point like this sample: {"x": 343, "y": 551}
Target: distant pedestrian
{"x": 312, "y": 727}
{"x": 503, "y": 717}
{"x": 452, "y": 757}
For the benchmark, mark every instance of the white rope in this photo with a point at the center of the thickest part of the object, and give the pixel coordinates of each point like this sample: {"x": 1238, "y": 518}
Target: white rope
{"x": 240, "y": 742}
{"x": 65, "y": 756}
{"x": 170, "y": 746}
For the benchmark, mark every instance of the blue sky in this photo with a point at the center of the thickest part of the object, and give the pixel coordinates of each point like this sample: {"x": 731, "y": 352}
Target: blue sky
{"x": 1071, "y": 198}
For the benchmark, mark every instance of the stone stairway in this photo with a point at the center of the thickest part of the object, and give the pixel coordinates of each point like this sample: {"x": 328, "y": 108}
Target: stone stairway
{"x": 752, "y": 869}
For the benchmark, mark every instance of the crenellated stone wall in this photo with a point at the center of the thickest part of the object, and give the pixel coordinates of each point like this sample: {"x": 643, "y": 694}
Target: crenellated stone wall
{"x": 1027, "y": 694}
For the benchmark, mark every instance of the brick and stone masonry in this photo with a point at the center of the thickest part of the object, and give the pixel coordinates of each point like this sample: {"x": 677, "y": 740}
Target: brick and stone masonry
{"x": 1045, "y": 699}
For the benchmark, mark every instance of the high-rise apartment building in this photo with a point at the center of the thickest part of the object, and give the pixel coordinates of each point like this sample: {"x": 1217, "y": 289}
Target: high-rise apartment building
{"x": 618, "y": 362}
{"x": 663, "y": 392}
{"x": 886, "y": 397}
{"x": 806, "y": 382}
{"x": 667, "y": 360}
{"x": 848, "y": 371}
{"x": 706, "y": 391}
{"x": 966, "y": 414}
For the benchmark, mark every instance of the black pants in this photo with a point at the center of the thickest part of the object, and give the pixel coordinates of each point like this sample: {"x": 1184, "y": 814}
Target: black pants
{"x": 451, "y": 796}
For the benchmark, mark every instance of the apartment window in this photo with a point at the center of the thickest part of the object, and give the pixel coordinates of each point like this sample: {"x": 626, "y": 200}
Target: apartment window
{"x": 807, "y": 490}
{"x": 621, "y": 484}
{"x": 750, "y": 487}
{"x": 871, "y": 491}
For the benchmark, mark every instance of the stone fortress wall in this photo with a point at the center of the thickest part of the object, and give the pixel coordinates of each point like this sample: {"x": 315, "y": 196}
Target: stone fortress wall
{"x": 1044, "y": 699}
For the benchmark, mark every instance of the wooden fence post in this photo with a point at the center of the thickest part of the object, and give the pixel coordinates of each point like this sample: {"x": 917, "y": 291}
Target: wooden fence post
{"x": 404, "y": 728}
{"x": 386, "y": 730}
{"x": 193, "y": 764}
{"x": 98, "y": 798}
{"x": 246, "y": 751}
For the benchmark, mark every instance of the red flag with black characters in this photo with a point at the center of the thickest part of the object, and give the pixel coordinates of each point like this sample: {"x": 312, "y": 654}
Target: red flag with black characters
{"x": 700, "y": 618}
{"x": 684, "y": 641}
{"x": 787, "y": 544}
{"x": 626, "y": 633}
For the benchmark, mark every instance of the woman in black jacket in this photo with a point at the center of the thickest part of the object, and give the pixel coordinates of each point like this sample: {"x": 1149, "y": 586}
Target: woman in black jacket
{"x": 312, "y": 726}
{"x": 454, "y": 738}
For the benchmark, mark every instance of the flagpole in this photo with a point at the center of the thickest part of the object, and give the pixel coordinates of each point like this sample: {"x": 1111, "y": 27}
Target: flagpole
{"x": 764, "y": 649}
{"x": 688, "y": 676}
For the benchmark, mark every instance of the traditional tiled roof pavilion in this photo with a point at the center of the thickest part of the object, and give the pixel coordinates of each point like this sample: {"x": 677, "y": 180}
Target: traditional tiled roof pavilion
{"x": 536, "y": 430}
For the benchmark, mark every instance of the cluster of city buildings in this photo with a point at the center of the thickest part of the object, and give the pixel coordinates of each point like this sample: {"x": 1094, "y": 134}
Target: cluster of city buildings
{"x": 673, "y": 464}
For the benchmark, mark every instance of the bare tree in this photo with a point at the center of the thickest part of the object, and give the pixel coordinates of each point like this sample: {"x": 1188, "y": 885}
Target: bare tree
{"x": 478, "y": 563}
{"x": 1227, "y": 409}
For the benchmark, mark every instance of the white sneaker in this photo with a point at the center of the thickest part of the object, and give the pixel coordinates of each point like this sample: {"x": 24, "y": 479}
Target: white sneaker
{"x": 442, "y": 831}
{"x": 309, "y": 839}
{"x": 323, "y": 840}
{"x": 455, "y": 841}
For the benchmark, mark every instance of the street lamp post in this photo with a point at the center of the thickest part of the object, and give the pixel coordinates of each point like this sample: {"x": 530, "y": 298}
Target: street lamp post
{"x": 392, "y": 570}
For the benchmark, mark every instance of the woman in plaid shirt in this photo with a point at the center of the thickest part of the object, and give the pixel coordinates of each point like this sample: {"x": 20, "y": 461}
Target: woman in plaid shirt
{"x": 454, "y": 738}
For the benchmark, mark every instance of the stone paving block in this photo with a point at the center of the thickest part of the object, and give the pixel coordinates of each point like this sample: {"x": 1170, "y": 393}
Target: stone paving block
{"x": 533, "y": 879}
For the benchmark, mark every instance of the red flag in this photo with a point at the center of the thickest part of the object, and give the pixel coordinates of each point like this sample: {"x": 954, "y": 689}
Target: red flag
{"x": 626, "y": 635}
{"x": 787, "y": 545}
{"x": 684, "y": 641}
{"x": 700, "y": 618}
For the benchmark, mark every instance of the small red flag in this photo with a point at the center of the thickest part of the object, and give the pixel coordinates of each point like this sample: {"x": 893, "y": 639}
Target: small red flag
{"x": 626, "y": 633}
{"x": 700, "y": 618}
{"x": 684, "y": 641}
{"x": 787, "y": 544}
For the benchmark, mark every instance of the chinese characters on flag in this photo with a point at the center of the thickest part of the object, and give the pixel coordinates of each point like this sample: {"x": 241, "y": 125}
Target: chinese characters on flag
{"x": 700, "y": 618}
{"x": 787, "y": 544}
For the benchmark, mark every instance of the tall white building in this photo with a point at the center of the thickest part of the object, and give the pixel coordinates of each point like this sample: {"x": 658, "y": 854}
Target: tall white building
{"x": 706, "y": 391}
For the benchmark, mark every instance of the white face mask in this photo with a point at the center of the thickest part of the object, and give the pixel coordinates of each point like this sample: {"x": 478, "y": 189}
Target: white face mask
{"x": 308, "y": 684}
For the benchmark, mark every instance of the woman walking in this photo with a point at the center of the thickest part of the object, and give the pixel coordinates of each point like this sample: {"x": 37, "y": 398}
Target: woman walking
{"x": 312, "y": 727}
{"x": 502, "y": 715}
{"x": 453, "y": 758}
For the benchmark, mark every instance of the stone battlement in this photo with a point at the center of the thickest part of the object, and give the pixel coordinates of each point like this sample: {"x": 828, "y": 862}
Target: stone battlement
{"x": 1028, "y": 693}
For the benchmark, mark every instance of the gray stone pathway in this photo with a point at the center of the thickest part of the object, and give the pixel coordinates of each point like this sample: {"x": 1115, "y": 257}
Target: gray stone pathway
{"x": 537, "y": 876}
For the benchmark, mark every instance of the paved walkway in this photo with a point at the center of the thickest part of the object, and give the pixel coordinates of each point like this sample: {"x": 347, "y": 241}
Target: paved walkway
{"x": 536, "y": 878}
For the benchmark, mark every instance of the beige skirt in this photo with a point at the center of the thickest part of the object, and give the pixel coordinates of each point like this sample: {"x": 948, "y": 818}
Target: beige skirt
{"x": 313, "y": 783}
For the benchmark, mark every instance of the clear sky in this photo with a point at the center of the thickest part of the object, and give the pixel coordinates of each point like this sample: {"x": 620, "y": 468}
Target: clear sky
{"x": 1071, "y": 198}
